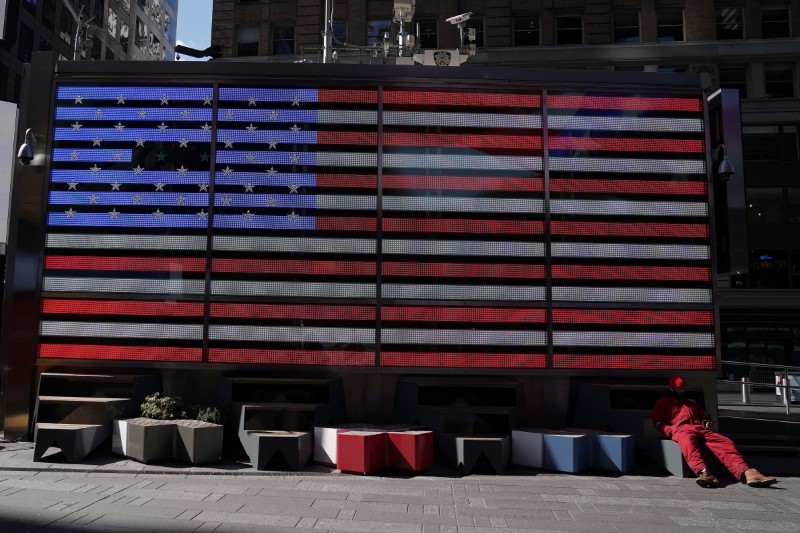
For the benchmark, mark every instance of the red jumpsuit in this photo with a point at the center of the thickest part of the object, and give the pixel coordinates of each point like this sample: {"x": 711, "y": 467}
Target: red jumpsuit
{"x": 682, "y": 421}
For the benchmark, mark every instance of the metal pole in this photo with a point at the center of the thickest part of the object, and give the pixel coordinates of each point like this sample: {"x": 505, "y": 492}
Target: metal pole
{"x": 327, "y": 35}
{"x": 745, "y": 390}
{"x": 75, "y": 53}
{"x": 785, "y": 388}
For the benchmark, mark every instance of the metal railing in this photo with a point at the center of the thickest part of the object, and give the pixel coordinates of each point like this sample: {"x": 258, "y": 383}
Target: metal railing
{"x": 785, "y": 379}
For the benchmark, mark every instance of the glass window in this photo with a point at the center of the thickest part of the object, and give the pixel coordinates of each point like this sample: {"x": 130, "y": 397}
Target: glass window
{"x": 626, "y": 27}
{"x": 670, "y": 25}
{"x": 569, "y": 30}
{"x": 427, "y": 36}
{"x": 775, "y": 22}
{"x": 729, "y": 23}
{"x": 124, "y": 32}
{"x": 734, "y": 77}
{"x": 3, "y": 81}
{"x": 112, "y": 23}
{"x": 282, "y": 40}
{"x": 477, "y": 24}
{"x": 768, "y": 269}
{"x": 66, "y": 26}
{"x": 779, "y": 80}
{"x": 673, "y": 68}
{"x": 793, "y": 201}
{"x": 44, "y": 45}
{"x": 761, "y": 143}
{"x": 340, "y": 32}
{"x": 376, "y": 30}
{"x": 30, "y": 5}
{"x": 765, "y": 205}
{"x": 247, "y": 41}
{"x": 49, "y": 14}
{"x": 526, "y": 31}
{"x": 25, "y": 43}
{"x": 790, "y": 143}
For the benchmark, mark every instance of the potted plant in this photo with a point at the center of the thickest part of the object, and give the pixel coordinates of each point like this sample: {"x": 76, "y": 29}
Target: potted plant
{"x": 199, "y": 437}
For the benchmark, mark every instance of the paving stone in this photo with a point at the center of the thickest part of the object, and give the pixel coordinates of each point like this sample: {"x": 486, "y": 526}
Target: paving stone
{"x": 244, "y": 518}
{"x": 289, "y": 510}
{"x": 559, "y": 525}
{"x": 362, "y": 506}
{"x": 755, "y": 525}
{"x": 370, "y": 516}
{"x": 145, "y": 523}
{"x": 660, "y": 502}
{"x": 355, "y": 525}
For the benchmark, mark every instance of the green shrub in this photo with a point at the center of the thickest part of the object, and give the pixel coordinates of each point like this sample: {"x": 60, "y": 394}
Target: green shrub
{"x": 206, "y": 414}
{"x": 161, "y": 407}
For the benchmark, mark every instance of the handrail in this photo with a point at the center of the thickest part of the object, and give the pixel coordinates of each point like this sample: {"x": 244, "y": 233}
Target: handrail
{"x": 784, "y": 385}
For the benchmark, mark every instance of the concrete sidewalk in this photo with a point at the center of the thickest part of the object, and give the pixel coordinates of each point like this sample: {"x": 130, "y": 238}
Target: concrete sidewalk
{"x": 110, "y": 494}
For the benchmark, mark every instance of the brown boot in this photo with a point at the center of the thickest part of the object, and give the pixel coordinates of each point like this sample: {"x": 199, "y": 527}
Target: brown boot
{"x": 754, "y": 478}
{"x": 706, "y": 479}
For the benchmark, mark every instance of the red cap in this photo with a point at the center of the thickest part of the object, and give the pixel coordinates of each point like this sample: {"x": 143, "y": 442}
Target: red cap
{"x": 675, "y": 382}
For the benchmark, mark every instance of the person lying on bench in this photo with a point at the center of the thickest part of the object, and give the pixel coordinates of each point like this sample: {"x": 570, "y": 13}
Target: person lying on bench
{"x": 685, "y": 422}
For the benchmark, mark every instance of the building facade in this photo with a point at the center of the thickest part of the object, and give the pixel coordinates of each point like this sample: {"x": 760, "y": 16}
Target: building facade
{"x": 747, "y": 45}
{"x": 112, "y": 29}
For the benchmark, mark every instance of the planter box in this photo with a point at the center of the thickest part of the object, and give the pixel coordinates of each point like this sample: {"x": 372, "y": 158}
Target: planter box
{"x": 198, "y": 442}
{"x": 152, "y": 441}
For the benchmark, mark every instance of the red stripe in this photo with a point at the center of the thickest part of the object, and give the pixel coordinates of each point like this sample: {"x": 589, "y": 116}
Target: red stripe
{"x": 464, "y": 183}
{"x": 631, "y": 272}
{"x": 289, "y": 311}
{"x": 289, "y": 266}
{"x": 625, "y": 186}
{"x": 463, "y": 360}
{"x": 626, "y": 144}
{"x": 121, "y": 307}
{"x": 463, "y": 314}
{"x": 352, "y": 181}
{"x": 660, "y": 317}
{"x": 462, "y": 270}
{"x": 626, "y": 103}
{"x": 291, "y": 357}
{"x": 456, "y": 140}
{"x": 461, "y": 225}
{"x": 141, "y": 264}
{"x": 629, "y": 229}
{"x": 340, "y": 96}
{"x": 346, "y": 224}
{"x": 635, "y": 362}
{"x": 460, "y": 99}
{"x": 121, "y": 353}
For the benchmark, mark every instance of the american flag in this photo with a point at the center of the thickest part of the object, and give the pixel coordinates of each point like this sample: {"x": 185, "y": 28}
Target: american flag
{"x": 392, "y": 226}
{"x": 630, "y": 232}
{"x": 127, "y": 218}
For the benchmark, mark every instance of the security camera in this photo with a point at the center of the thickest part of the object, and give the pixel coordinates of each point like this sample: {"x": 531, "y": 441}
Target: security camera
{"x": 25, "y": 154}
{"x": 460, "y": 19}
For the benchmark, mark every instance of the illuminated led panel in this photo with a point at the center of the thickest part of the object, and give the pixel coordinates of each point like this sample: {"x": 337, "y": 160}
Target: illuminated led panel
{"x": 127, "y": 218}
{"x": 630, "y": 226}
{"x": 295, "y": 226}
{"x": 462, "y": 228}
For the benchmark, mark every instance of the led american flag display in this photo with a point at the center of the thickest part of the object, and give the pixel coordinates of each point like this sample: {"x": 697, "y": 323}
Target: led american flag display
{"x": 373, "y": 225}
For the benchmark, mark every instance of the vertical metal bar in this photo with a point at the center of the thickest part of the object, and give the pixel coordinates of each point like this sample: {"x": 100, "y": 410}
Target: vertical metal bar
{"x": 745, "y": 390}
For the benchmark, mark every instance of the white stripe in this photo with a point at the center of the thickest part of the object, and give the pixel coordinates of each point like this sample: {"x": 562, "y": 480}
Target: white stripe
{"x": 293, "y": 289}
{"x": 128, "y": 331}
{"x": 462, "y": 292}
{"x": 463, "y": 205}
{"x": 462, "y": 162}
{"x": 635, "y": 208}
{"x": 350, "y": 116}
{"x": 124, "y": 285}
{"x": 294, "y": 244}
{"x": 127, "y": 242}
{"x": 291, "y": 334}
{"x": 463, "y": 337}
{"x": 329, "y": 201}
{"x": 346, "y": 159}
{"x": 461, "y": 120}
{"x": 617, "y": 338}
{"x": 471, "y": 248}
{"x": 638, "y": 166}
{"x": 630, "y": 251}
{"x": 629, "y": 294}
{"x": 660, "y": 124}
